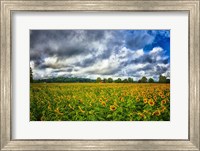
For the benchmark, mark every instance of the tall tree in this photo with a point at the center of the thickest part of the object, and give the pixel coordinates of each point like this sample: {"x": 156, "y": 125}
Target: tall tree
{"x": 110, "y": 80}
{"x": 151, "y": 80}
{"x": 98, "y": 80}
{"x": 125, "y": 81}
{"x": 119, "y": 80}
{"x": 144, "y": 79}
{"x": 162, "y": 79}
{"x": 130, "y": 80}
{"x": 167, "y": 80}
{"x": 31, "y": 75}
{"x": 105, "y": 80}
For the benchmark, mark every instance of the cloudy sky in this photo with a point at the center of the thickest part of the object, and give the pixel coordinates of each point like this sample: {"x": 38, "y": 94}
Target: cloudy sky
{"x": 100, "y": 53}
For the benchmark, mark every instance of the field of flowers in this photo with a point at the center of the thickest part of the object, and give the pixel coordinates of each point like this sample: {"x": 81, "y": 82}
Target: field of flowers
{"x": 99, "y": 102}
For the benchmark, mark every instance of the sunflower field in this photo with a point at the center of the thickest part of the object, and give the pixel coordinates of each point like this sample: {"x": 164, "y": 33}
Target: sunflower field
{"x": 99, "y": 102}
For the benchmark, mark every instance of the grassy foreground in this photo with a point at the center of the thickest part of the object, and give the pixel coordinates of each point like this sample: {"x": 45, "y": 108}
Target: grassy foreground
{"x": 99, "y": 102}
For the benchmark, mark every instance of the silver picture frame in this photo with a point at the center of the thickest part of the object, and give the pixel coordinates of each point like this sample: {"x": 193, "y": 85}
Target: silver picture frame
{"x": 10, "y": 6}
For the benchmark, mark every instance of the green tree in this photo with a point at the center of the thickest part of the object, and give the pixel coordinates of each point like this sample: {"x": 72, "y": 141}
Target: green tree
{"x": 110, "y": 80}
{"x": 125, "y": 81}
{"x": 151, "y": 80}
{"x": 118, "y": 80}
{"x": 105, "y": 80}
{"x": 98, "y": 80}
{"x": 130, "y": 80}
{"x": 144, "y": 79}
{"x": 162, "y": 79}
{"x": 167, "y": 80}
{"x": 31, "y": 75}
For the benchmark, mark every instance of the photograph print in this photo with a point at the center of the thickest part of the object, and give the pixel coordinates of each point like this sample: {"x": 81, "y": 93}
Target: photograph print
{"x": 99, "y": 75}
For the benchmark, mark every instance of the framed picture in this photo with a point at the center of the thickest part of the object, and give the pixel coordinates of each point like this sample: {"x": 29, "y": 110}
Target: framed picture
{"x": 100, "y": 75}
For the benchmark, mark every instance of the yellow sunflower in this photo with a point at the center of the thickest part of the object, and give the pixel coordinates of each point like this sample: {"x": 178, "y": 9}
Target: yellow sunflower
{"x": 151, "y": 102}
{"x": 145, "y": 100}
{"x": 137, "y": 99}
{"x": 162, "y": 96}
{"x": 103, "y": 103}
{"x": 163, "y": 108}
{"x": 113, "y": 107}
{"x": 142, "y": 115}
{"x": 163, "y": 102}
{"x": 156, "y": 113}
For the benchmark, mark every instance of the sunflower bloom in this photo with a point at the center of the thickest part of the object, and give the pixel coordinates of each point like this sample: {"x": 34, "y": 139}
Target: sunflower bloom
{"x": 142, "y": 115}
{"x": 145, "y": 101}
{"x": 137, "y": 99}
{"x": 163, "y": 102}
{"x": 103, "y": 103}
{"x": 151, "y": 102}
{"x": 122, "y": 99}
{"x": 163, "y": 108}
{"x": 113, "y": 108}
{"x": 162, "y": 96}
{"x": 156, "y": 113}
{"x": 81, "y": 101}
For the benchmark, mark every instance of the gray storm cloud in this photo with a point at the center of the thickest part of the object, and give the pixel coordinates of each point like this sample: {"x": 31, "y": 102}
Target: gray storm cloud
{"x": 92, "y": 53}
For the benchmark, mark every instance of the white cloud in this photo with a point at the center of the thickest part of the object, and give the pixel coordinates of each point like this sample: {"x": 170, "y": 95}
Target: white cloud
{"x": 111, "y": 67}
{"x": 32, "y": 64}
{"x": 155, "y": 50}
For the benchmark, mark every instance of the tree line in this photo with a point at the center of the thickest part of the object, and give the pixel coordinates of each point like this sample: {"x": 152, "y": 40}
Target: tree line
{"x": 162, "y": 79}
{"x": 64, "y": 80}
